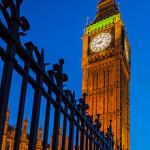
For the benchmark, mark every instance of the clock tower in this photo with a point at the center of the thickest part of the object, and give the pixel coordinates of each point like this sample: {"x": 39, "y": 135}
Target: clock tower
{"x": 106, "y": 71}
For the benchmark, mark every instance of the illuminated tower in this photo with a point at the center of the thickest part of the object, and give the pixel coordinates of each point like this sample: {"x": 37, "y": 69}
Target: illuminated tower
{"x": 106, "y": 71}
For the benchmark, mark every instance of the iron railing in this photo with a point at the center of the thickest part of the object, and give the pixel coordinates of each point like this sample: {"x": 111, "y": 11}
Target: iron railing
{"x": 83, "y": 133}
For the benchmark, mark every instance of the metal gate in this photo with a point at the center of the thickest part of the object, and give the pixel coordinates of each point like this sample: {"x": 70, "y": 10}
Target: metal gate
{"x": 87, "y": 134}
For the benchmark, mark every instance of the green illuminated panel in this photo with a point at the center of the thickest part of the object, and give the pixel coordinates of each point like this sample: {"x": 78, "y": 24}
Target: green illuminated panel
{"x": 103, "y": 23}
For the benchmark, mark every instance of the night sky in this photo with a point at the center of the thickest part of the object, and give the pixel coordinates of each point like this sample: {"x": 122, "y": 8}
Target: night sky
{"x": 57, "y": 26}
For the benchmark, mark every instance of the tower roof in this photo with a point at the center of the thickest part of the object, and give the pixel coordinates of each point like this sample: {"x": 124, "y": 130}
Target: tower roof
{"x": 105, "y": 9}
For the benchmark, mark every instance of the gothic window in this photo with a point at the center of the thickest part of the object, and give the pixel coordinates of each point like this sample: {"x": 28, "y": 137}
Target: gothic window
{"x": 108, "y": 77}
{"x": 104, "y": 79}
{"x": 7, "y": 145}
{"x": 40, "y": 136}
{"x": 25, "y": 128}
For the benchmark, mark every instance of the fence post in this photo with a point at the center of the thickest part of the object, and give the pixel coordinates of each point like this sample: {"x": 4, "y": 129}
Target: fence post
{"x": 8, "y": 67}
{"x": 48, "y": 108}
{"x": 29, "y": 47}
{"x": 71, "y": 130}
{"x": 65, "y": 122}
{"x": 82, "y": 139}
{"x": 87, "y": 129}
{"x": 111, "y": 135}
{"x": 95, "y": 136}
{"x": 98, "y": 129}
{"x": 60, "y": 78}
{"x": 36, "y": 105}
{"x": 91, "y": 134}
{"x": 77, "y": 130}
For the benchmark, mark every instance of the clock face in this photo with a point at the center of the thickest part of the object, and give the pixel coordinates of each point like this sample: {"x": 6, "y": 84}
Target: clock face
{"x": 100, "y": 42}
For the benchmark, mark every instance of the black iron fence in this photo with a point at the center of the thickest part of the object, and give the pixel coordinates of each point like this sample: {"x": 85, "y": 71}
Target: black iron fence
{"x": 83, "y": 133}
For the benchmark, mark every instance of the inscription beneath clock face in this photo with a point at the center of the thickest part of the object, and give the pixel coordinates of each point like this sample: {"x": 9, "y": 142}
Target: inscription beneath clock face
{"x": 100, "y": 42}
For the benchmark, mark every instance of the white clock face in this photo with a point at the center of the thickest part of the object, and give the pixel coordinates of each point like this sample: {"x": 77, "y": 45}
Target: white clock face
{"x": 100, "y": 42}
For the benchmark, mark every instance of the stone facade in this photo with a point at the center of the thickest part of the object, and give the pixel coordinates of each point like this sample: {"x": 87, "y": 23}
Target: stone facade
{"x": 9, "y": 136}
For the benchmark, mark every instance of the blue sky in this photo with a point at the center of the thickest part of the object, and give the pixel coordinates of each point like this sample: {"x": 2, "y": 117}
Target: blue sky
{"x": 57, "y": 26}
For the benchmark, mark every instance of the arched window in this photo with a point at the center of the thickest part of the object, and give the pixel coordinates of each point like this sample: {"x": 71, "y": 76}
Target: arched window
{"x": 7, "y": 145}
{"x": 25, "y": 128}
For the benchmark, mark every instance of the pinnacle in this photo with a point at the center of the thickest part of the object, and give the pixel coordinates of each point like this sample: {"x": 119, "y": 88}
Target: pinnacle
{"x": 26, "y": 120}
{"x": 40, "y": 129}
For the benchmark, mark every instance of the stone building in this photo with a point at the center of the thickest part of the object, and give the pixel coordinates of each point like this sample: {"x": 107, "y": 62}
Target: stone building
{"x": 9, "y": 136}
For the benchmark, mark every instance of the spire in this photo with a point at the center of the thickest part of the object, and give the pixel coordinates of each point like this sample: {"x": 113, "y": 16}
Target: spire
{"x": 105, "y": 9}
{"x": 25, "y": 125}
{"x": 67, "y": 141}
{"x": 40, "y": 129}
{"x": 106, "y": 4}
{"x": 87, "y": 21}
{"x": 26, "y": 120}
{"x": 40, "y": 133}
{"x": 7, "y": 114}
{"x": 119, "y": 7}
{"x": 39, "y": 140}
{"x": 24, "y": 131}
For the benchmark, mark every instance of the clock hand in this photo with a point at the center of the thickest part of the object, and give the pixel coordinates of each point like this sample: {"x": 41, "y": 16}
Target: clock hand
{"x": 101, "y": 40}
{"x": 104, "y": 37}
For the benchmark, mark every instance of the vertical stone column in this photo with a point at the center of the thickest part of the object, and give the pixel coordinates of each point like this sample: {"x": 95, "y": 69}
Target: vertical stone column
{"x": 128, "y": 117}
{"x": 85, "y": 80}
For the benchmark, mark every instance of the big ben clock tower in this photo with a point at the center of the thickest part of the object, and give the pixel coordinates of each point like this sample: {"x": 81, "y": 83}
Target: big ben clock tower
{"x": 106, "y": 71}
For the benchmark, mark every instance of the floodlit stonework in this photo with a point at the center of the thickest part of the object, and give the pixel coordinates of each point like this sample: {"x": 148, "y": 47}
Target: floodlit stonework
{"x": 106, "y": 71}
{"x": 9, "y": 136}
